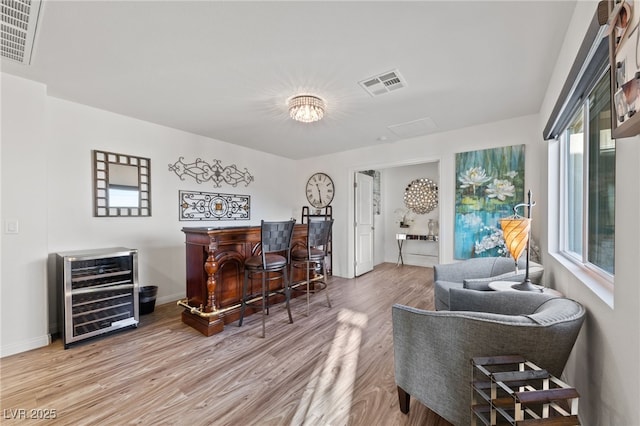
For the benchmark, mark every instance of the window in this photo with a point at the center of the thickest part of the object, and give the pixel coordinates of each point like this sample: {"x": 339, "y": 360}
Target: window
{"x": 586, "y": 216}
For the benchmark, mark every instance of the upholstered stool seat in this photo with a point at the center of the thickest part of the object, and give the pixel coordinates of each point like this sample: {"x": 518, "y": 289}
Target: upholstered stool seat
{"x": 301, "y": 254}
{"x": 271, "y": 264}
{"x": 273, "y": 261}
{"x": 313, "y": 257}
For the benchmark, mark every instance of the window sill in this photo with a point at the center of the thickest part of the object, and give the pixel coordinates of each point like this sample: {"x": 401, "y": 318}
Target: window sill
{"x": 594, "y": 282}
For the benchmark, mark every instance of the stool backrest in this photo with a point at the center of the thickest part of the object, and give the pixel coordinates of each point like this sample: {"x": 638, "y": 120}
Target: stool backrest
{"x": 318, "y": 232}
{"x": 276, "y": 237}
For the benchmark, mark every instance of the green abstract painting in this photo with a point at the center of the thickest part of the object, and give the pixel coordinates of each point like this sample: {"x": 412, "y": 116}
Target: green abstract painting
{"x": 489, "y": 183}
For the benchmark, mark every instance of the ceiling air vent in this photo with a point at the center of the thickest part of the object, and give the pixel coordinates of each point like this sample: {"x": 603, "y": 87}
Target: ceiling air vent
{"x": 383, "y": 83}
{"x": 18, "y": 29}
{"x": 414, "y": 128}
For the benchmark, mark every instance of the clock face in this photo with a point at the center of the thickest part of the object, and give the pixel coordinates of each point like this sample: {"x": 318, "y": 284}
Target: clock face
{"x": 319, "y": 190}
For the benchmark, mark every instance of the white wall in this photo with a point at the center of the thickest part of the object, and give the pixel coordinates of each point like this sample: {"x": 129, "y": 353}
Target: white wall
{"x": 393, "y": 182}
{"x": 604, "y": 365}
{"x": 23, "y": 303}
{"x": 439, "y": 148}
{"x": 47, "y": 187}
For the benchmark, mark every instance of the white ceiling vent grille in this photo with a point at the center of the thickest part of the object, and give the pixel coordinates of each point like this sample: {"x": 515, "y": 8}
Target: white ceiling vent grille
{"x": 383, "y": 83}
{"x": 414, "y": 128}
{"x": 18, "y": 29}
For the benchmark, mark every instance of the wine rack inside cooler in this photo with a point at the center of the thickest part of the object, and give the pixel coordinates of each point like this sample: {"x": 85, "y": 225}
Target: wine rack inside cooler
{"x": 99, "y": 291}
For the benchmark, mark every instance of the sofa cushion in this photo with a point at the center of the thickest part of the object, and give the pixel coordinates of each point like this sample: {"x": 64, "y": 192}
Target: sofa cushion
{"x": 512, "y": 303}
{"x": 477, "y": 273}
{"x": 441, "y": 294}
{"x": 556, "y": 310}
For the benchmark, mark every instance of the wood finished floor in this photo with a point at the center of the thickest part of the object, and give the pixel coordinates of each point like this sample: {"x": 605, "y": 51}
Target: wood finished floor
{"x": 334, "y": 367}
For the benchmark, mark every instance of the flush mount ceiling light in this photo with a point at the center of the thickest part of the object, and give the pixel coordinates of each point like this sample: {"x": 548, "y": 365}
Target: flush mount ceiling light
{"x": 306, "y": 108}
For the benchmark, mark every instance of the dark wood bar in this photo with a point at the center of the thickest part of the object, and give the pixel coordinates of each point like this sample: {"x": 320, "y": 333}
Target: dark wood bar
{"x": 215, "y": 272}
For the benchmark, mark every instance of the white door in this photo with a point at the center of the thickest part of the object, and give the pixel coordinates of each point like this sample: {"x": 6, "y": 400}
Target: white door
{"x": 363, "y": 224}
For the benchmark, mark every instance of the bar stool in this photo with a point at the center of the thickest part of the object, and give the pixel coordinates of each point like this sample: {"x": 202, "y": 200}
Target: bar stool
{"x": 275, "y": 257}
{"x": 313, "y": 257}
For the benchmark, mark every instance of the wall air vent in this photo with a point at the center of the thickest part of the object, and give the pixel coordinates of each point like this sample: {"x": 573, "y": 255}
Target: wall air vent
{"x": 383, "y": 83}
{"x": 18, "y": 29}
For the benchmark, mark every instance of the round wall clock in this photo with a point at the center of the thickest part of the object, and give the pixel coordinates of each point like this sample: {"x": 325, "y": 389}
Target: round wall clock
{"x": 319, "y": 190}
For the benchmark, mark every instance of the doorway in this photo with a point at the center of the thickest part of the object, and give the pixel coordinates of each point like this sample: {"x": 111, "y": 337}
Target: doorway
{"x": 394, "y": 178}
{"x": 364, "y": 226}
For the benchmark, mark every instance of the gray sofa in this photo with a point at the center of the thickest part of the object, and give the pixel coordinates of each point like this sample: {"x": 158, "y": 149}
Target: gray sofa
{"x": 433, "y": 349}
{"x": 477, "y": 273}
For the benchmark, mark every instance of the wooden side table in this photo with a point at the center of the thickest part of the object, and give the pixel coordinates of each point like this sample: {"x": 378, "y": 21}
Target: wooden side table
{"x": 516, "y": 391}
{"x": 507, "y": 286}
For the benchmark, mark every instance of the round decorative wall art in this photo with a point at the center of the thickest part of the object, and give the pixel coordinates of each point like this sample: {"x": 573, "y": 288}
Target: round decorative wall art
{"x": 421, "y": 196}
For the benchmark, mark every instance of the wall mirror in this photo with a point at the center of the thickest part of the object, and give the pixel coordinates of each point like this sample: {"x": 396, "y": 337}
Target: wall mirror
{"x": 421, "y": 196}
{"x": 121, "y": 185}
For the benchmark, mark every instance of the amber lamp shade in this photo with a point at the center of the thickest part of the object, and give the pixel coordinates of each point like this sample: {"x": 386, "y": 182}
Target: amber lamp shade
{"x": 515, "y": 231}
{"x": 516, "y": 235}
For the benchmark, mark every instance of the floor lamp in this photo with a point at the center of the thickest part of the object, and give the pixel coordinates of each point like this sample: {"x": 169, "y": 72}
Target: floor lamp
{"x": 517, "y": 237}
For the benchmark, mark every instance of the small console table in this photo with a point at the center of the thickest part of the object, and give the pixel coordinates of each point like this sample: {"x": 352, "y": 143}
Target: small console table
{"x": 511, "y": 390}
{"x": 401, "y": 238}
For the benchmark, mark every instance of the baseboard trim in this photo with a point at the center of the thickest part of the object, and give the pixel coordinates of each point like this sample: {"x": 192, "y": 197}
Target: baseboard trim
{"x": 171, "y": 298}
{"x": 24, "y": 345}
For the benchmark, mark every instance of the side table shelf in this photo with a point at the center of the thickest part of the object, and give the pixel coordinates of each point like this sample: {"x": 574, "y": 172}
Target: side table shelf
{"x": 509, "y": 390}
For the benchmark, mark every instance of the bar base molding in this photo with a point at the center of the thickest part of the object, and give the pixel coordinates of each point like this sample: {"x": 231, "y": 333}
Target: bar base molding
{"x": 207, "y": 326}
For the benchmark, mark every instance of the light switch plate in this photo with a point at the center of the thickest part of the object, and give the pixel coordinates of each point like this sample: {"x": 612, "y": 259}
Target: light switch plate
{"x": 11, "y": 227}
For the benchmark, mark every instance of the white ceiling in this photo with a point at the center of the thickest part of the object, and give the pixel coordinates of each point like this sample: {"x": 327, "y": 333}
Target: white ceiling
{"x": 226, "y": 69}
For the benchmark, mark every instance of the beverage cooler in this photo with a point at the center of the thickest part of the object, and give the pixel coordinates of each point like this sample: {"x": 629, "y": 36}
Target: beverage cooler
{"x": 98, "y": 292}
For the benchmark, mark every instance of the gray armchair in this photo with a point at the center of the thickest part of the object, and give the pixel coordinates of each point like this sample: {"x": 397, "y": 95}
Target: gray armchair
{"x": 433, "y": 349}
{"x": 477, "y": 273}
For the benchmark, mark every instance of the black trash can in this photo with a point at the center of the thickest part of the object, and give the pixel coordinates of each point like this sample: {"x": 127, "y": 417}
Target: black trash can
{"x": 147, "y": 299}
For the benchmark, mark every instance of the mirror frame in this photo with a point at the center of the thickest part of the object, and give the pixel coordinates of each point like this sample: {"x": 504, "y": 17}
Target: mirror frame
{"x": 101, "y": 161}
{"x": 421, "y": 196}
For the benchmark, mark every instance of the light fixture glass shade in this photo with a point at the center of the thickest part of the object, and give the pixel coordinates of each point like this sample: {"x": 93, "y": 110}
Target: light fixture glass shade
{"x": 515, "y": 231}
{"x": 306, "y": 108}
